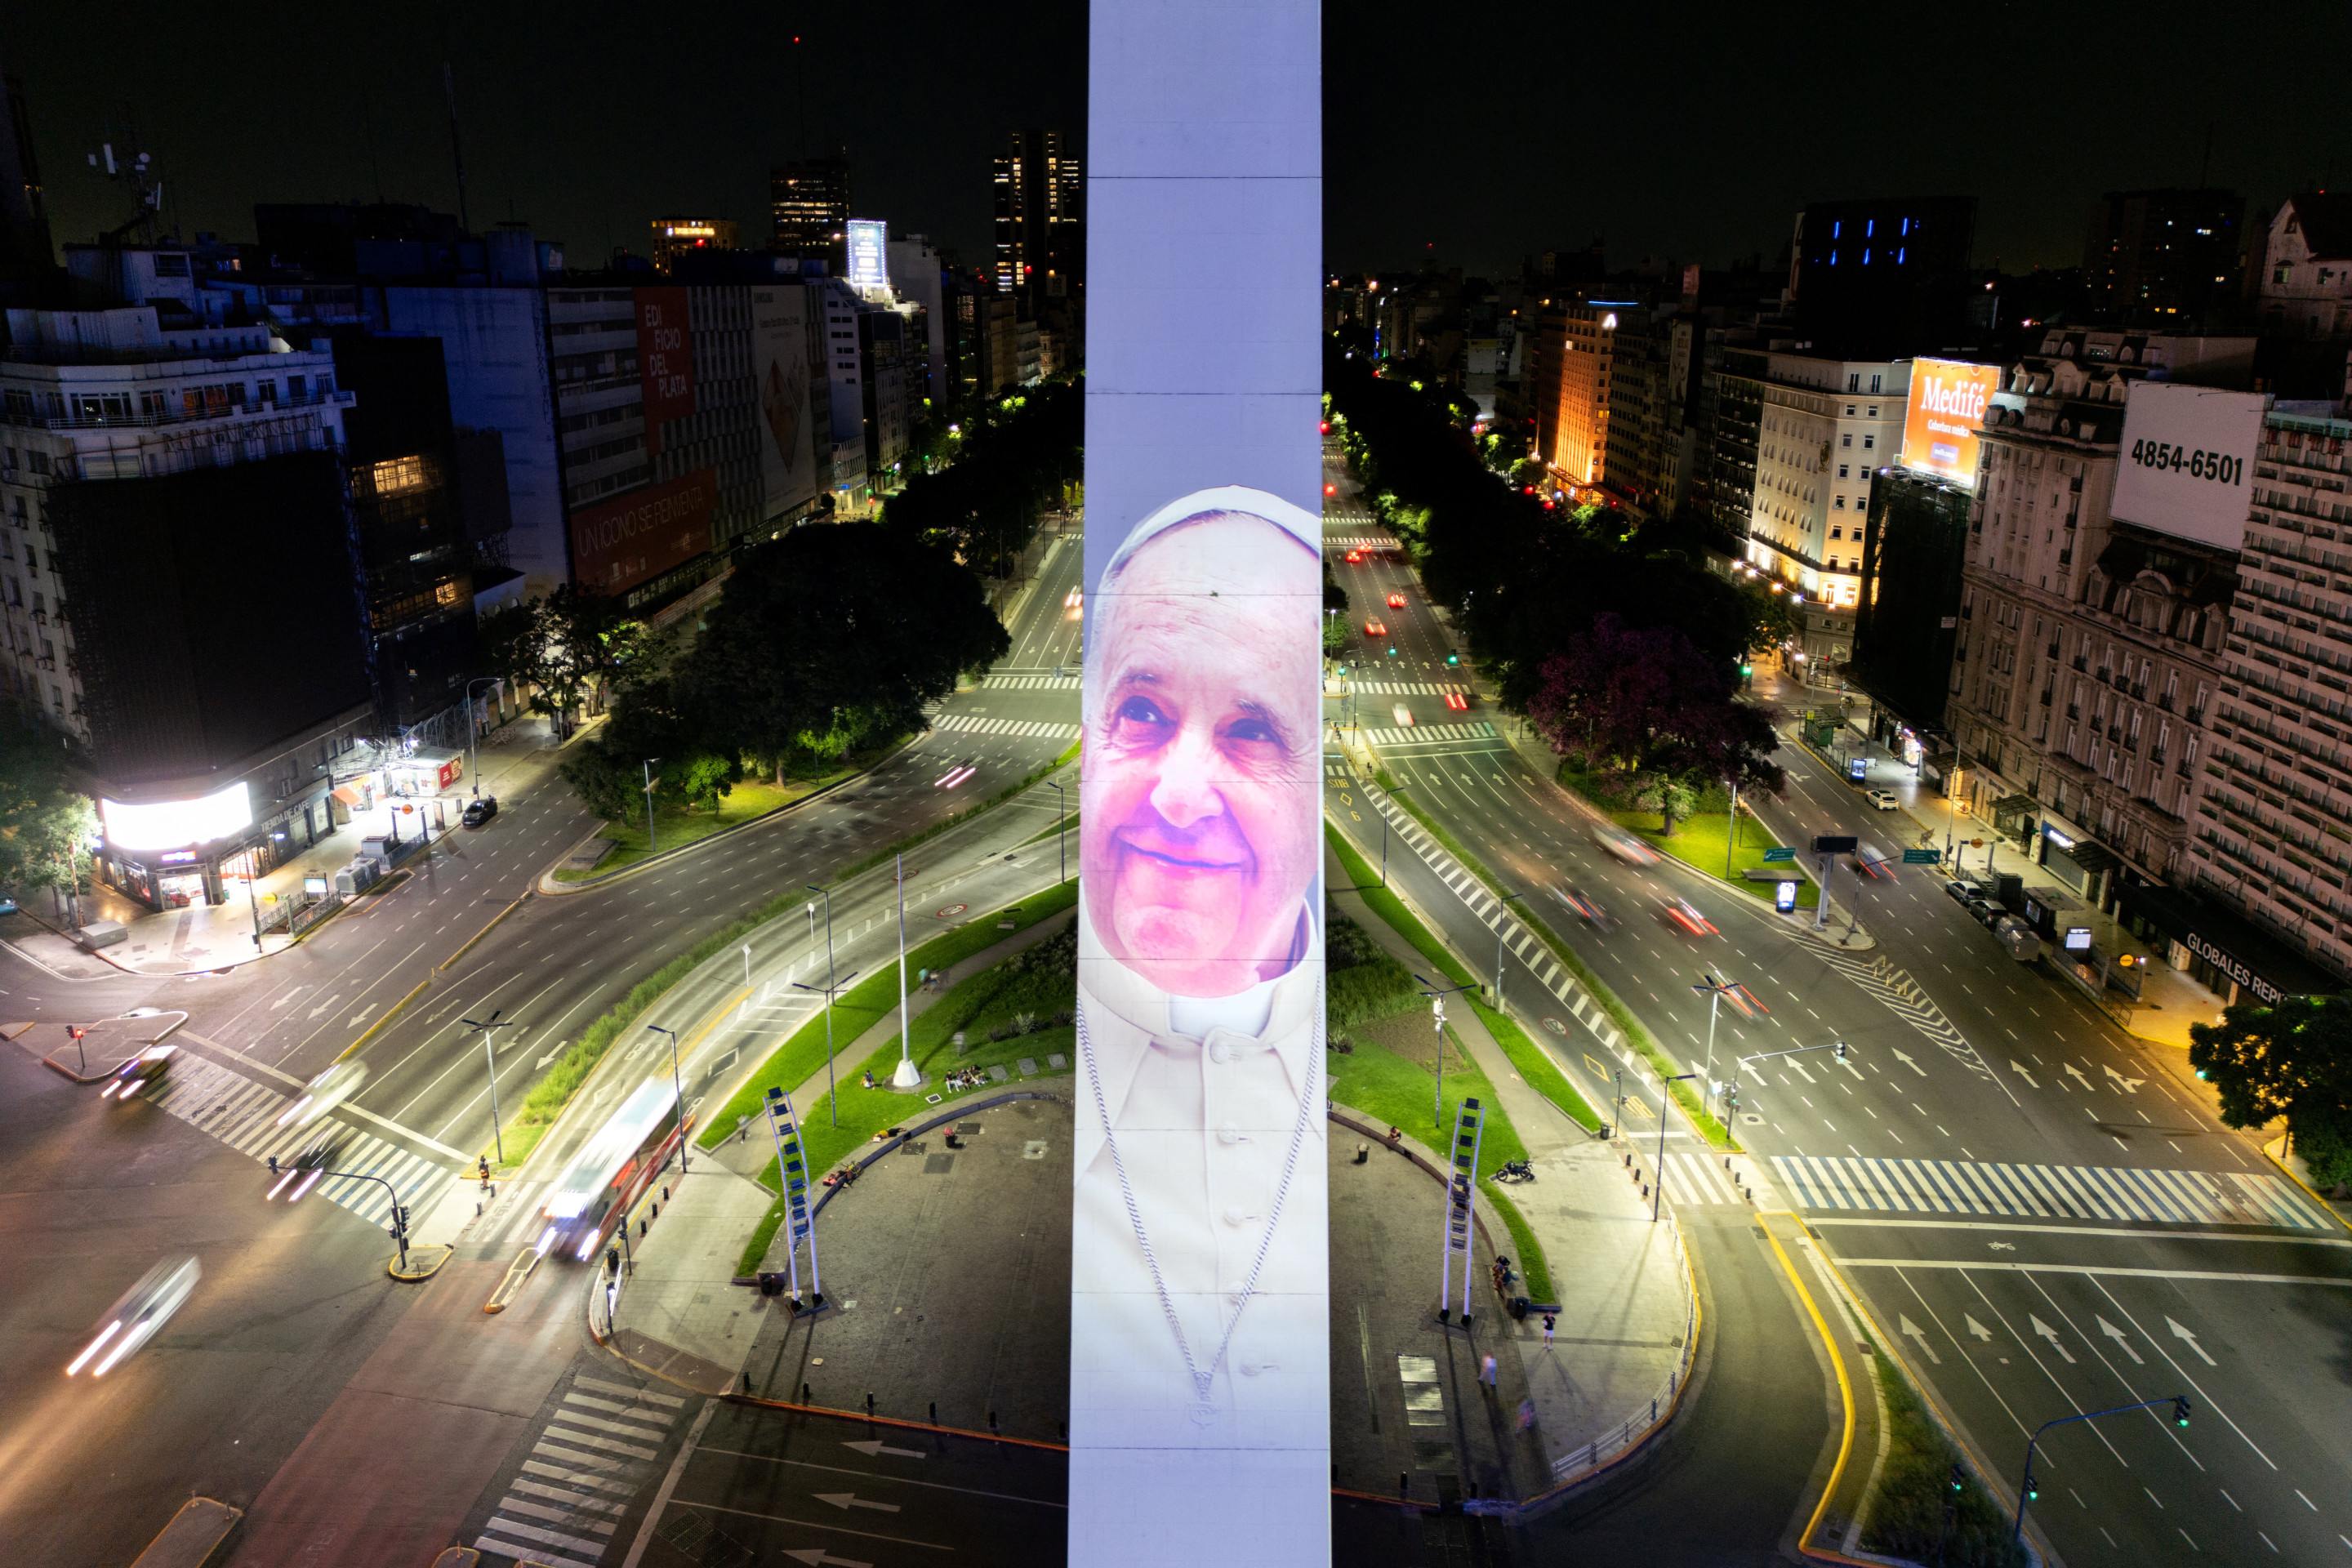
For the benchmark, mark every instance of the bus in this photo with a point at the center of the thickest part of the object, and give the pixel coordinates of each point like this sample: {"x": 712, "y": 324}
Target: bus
{"x": 611, "y": 1171}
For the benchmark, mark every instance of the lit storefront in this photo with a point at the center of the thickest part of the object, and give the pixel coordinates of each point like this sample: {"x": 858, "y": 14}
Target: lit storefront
{"x": 170, "y": 853}
{"x": 2228, "y": 954}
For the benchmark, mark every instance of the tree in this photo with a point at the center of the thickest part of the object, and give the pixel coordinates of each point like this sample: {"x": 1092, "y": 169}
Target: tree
{"x": 2292, "y": 1058}
{"x": 1646, "y": 702}
{"x": 1671, "y": 798}
{"x": 46, "y": 826}
{"x": 571, "y": 650}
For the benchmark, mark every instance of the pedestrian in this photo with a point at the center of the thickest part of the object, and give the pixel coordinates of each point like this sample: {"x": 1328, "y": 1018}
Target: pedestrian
{"x": 1487, "y": 1372}
{"x": 1550, "y": 1322}
{"x": 1527, "y": 1415}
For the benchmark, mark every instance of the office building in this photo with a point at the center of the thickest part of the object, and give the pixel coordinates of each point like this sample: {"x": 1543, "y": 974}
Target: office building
{"x": 1040, "y": 218}
{"x": 2268, "y": 835}
{"x": 1906, "y": 618}
{"x": 921, "y": 277}
{"x": 673, "y": 235}
{"x": 2164, "y": 258}
{"x": 1884, "y": 278}
{"x": 1570, "y": 359}
{"x": 809, "y": 202}
{"x": 1824, "y": 428}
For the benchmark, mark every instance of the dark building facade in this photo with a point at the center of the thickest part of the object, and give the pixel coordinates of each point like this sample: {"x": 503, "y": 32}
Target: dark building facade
{"x": 809, "y": 202}
{"x": 1885, "y": 277}
{"x": 1914, "y": 547}
{"x": 2164, "y": 258}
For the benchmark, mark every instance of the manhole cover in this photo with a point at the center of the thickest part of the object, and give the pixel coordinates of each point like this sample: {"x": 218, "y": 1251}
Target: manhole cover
{"x": 1753, "y": 1119}
{"x": 1555, "y": 1026}
{"x": 951, "y": 911}
{"x": 1033, "y": 1150}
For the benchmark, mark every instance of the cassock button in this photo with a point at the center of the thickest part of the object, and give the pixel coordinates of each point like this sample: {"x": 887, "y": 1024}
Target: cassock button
{"x": 1221, "y": 1053}
{"x": 1229, "y": 1135}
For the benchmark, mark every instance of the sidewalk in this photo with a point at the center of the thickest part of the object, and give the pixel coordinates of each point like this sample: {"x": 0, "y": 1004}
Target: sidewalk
{"x": 218, "y": 936}
{"x": 1625, "y": 1313}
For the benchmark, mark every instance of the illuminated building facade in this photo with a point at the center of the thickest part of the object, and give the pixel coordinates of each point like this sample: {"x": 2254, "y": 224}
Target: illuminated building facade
{"x": 1040, "y": 218}
{"x": 2164, "y": 258}
{"x": 1568, "y": 371}
{"x": 808, "y": 200}
{"x": 672, "y": 235}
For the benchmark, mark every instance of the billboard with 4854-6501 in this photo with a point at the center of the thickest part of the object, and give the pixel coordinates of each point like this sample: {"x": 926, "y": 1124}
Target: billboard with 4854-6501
{"x": 1199, "y": 1418}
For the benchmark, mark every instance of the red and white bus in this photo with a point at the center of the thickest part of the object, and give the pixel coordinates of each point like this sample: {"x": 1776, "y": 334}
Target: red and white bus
{"x": 611, "y": 1171}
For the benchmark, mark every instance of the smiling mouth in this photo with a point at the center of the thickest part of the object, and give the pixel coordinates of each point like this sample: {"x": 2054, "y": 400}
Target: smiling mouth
{"x": 1179, "y": 862}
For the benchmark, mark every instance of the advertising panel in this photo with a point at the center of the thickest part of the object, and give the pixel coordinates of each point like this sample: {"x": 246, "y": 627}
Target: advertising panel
{"x": 2187, "y": 466}
{"x": 171, "y": 824}
{"x": 788, "y": 438}
{"x": 635, "y": 538}
{"x": 1200, "y": 1362}
{"x": 870, "y": 263}
{"x": 1940, "y": 425}
{"x": 664, "y": 361}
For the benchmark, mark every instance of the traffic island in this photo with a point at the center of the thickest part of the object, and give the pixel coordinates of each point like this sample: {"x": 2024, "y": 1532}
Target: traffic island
{"x": 424, "y": 1263}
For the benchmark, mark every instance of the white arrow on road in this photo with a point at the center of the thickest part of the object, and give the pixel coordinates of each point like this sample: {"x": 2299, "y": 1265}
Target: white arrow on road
{"x": 873, "y": 1447}
{"x": 818, "y": 1557}
{"x": 2047, "y": 1333}
{"x": 546, "y": 1061}
{"x": 1906, "y": 1060}
{"x": 2076, "y": 1074}
{"x": 2122, "y": 1344}
{"x": 325, "y": 1005}
{"x": 2124, "y": 1084}
{"x": 361, "y": 1016}
{"x": 289, "y": 997}
{"x": 2188, "y": 1338}
{"x": 2019, "y": 1068}
{"x": 1979, "y": 1330}
{"x": 1912, "y": 1331}
{"x": 846, "y": 1500}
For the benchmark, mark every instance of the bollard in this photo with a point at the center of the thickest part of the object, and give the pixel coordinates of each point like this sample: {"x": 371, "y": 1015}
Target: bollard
{"x": 1404, "y": 1483}
{"x": 991, "y": 1421}
{"x": 870, "y": 1401}
{"x": 935, "y": 1411}
{"x": 806, "y": 1397}
{"x": 1645, "y": 1189}
{"x": 666, "y": 1188}
{"x": 641, "y": 1228}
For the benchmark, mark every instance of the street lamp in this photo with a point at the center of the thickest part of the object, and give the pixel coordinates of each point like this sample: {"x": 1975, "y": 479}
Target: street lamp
{"x": 650, "y": 845}
{"x": 489, "y": 1028}
{"x": 1658, "y": 1193}
{"x": 473, "y": 729}
{"x": 747, "y": 966}
{"x": 1501, "y": 899}
{"x": 1437, "y": 995}
{"x": 830, "y": 989}
{"x": 1715, "y": 990}
{"x": 677, "y": 1084}
{"x": 1061, "y": 827}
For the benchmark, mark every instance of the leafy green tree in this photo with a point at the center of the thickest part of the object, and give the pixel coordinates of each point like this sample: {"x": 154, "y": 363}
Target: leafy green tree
{"x": 572, "y": 650}
{"x": 46, "y": 826}
{"x": 1671, "y": 798}
{"x": 2291, "y": 1059}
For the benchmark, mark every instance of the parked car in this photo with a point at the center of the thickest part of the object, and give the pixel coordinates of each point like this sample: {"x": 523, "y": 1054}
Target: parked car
{"x": 480, "y": 809}
{"x": 1884, "y": 799}
{"x": 7, "y": 905}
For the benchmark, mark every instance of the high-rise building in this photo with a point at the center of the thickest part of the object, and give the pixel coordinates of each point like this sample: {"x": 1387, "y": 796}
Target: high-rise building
{"x": 1571, "y": 355}
{"x": 26, "y": 258}
{"x": 1825, "y": 427}
{"x": 809, "y": 199}
{"x": 2267, "y": 837}
{"x": 1040, "y": 218}
{"x": 1906, "y": 621}
{"x": 918, "y": 274}
{"x": 1885, "y": 277}
{"x": 2163, "y": 258}
{"x": 673, "y": 235}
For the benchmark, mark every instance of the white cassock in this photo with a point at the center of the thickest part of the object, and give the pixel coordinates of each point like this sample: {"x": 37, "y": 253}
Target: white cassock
{"x": 1205, "y": 1098}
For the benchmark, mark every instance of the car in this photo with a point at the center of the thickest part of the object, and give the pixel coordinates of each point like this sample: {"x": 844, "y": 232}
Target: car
{"x": 1884, "y": 799}
{"x": 1396, "y": 601}
{"x": 1459, "y": 701}
{"x": 1587, "y": 907}
{"x": 1623, "y": 845}
{"x": 302, "y": 1170}
{"x": 337, "y": 1084}
{"x": 7, "y": 905}
{"x": 134, "y": 1319}
{"x": 1375, "y": 628}
{"x": 1959, "y": 890}
{"x": 135, "y": 1076}
{"x": 1686, "y": 915}
{"x": 1354, "y": 558}
{"x": 478, "y": 810}
{"x": 1402, "y": 715}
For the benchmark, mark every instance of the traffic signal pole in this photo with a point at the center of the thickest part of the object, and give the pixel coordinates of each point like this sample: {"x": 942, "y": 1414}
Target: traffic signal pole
{"x": 2027, "y": 1490}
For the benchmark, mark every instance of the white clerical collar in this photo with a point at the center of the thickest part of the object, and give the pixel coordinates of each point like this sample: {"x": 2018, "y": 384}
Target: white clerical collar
{"x": 1243, "y": 1012}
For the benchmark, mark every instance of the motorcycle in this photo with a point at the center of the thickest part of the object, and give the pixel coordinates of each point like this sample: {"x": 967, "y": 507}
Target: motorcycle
{"x": 1514, "y": 1171}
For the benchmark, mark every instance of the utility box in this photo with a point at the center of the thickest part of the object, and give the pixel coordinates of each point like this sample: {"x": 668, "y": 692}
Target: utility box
{"x": 102, "y": 934}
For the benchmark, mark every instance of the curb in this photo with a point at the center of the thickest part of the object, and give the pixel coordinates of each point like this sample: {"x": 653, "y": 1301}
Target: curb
{"x": 466, "y": 945}
{"x": 414, "y": 1274}
{"x": 389, "y": 1015}
{"x": 548, "y": 887}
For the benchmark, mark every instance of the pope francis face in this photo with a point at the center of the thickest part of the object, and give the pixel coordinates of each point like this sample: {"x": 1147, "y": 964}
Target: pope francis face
{"x": 1198, "y": 830}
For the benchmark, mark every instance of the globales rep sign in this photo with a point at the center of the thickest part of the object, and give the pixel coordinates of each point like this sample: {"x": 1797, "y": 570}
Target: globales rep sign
{"x": 1940, "y": 428}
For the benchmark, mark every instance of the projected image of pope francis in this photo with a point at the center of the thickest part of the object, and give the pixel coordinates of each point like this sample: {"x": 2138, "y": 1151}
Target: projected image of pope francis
{"x": 1200, "y": 1252}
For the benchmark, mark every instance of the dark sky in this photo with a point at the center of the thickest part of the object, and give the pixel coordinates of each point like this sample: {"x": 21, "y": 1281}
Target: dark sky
{"x": 1691, "y": 132}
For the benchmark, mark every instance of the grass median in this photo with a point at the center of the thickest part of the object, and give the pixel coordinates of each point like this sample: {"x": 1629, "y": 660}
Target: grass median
{"x": 1032, "y": 777}
{"x": 1639, "y": 1038}
{"x": 866, "y": 1003}
{"x": 1914, "y": 1495}
{"x": 676, "y": 827}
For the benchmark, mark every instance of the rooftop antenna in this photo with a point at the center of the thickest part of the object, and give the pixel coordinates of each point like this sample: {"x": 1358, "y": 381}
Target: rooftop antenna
{"x": 134, "y": 171}
{"x": 800, "y": 91}
{"x": 456, "y": 156}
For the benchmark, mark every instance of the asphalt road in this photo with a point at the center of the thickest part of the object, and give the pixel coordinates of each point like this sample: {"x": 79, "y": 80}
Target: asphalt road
{"x": 1977, "y": 1094}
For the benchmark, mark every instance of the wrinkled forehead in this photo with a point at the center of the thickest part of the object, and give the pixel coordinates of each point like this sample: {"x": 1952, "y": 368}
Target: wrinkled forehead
{"x": 1222, "y": 566}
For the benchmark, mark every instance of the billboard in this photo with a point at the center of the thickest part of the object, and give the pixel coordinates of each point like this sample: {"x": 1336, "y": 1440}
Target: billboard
{"x": 1940, "y": 425}
{"x": 664, "y": 361}
{"x": 1200, "y": 1361}
{"x": 176, "y": 824}
{"x": 780, "y": 325}
{"x": 635, "y": 538}
{"x": 870, "y": 263}
{"x": 2187, "y": 466}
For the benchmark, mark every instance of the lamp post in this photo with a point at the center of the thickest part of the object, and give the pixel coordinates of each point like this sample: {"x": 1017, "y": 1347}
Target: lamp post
{"x": 676, "y": 1083}
{"x": 831, "y": 988}
{"x": 650, "y": 845}
{"x": 489, "y": 1028}
{"x": 1715, "y": 990}
{"x": 1437, "y": 995}
{"x": 908, "y": 1075}
{"x": 1502, "y": 901}
{"x": 473, "y": 729}
{"x": 1658, "y": 1193}
{"x": 1061, "y": 853}
{"x": 747, "y": 966}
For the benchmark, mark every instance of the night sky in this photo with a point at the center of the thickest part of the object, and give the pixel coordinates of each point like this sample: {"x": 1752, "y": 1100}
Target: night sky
{"x": 1692, "y": 132}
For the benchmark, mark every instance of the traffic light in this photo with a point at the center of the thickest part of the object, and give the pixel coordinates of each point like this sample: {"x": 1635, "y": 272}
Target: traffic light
{"x": 2032, "y": 1488}
{"x": 1747, "y": 669}
{"x": 1452, "y": 657}
{"x": 2181, "y": 1411}
{"x": 1840, "y": 1050}
{"x": 273, "y": 1164}
{"x": 1960, "y": 1479}
{"x": 1393, "y": 652}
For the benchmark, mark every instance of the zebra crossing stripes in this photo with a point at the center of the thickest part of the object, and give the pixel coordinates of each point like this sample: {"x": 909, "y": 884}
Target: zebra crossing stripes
{"x": 1359, "y": 541}
{"x": 1031, "y": 682}
{"x": 1432, "y": 734}
{"x": 1901, "y": 995}
{"x": 977, "y": 724}
{"x": 1700, "y": 1179}
{"x": 1406, "y": 689}
{"x": 2120, "y": 1193}
{"x": 244, "y": 1115}
{"x": 598, "y": 1447}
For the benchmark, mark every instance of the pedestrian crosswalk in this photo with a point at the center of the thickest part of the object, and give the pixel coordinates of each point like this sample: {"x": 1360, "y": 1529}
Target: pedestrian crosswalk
{"x": 1359, "y": 541}
{"x": 1407, "y": 689}
{"x": 2126, "y": 1194}
{"x": 1434, "y": 734}
{"x": 1901, "y": 995}
{"x": 244, "y": 1115}
{"x": 1700, "y": 1179}
{"x": 979, "y": 724}
{"x": 1031, "y": 683}
{"x": 597, "y": 1450}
